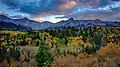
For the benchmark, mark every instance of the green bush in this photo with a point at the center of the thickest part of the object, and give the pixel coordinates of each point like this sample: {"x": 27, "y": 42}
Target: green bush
{"x": 43, "y": 58}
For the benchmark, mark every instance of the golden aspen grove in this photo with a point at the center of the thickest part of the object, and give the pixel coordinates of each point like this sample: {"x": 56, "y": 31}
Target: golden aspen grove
{"x": 68, "y": 47}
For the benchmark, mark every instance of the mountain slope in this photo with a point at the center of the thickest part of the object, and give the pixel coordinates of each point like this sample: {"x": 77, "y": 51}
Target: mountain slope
{"x": 26, "y": 24}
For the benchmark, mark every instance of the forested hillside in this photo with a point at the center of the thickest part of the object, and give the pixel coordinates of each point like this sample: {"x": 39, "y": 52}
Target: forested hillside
{"x": 68, "y": 47}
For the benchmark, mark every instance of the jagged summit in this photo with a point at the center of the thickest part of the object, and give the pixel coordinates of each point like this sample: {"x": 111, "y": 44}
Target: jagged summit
{"x": 3, "y": 17}
{"x": 71, "y": 19}
{"x": 27, "y": 24}
{"x": 25, "y": 18}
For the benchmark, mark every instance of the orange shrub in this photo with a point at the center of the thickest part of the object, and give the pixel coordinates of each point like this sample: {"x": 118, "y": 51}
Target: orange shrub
{"x": 108, "y": 56}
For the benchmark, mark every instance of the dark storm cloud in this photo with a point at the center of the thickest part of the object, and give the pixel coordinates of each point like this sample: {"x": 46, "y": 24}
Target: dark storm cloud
{"x": 94, "y": 3}
{"x": 43, "y": 6}
{"x": 37, "y": 6}
{"x": 88, "y": 3}
{"x": 33, "y": 7}
{"x": 89, "y": 9}
{"x": 103, "y": 3}
{"x": 11, "y": 3}
{"x": 40, "y": 6}
{"x": 96, "y": 13}
{"x": 115, "y": 0}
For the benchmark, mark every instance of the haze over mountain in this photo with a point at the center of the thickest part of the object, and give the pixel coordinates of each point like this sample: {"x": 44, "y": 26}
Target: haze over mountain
{"x": 26, "y": 24}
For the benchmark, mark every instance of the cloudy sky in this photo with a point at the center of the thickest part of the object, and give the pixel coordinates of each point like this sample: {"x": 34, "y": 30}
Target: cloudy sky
{"x": 57, "y": 10}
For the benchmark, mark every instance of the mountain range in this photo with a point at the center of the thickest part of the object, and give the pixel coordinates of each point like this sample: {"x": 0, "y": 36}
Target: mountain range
{"x": 27, "y": 24}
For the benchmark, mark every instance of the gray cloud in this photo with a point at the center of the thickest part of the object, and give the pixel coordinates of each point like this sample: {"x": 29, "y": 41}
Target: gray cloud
{"x": 40, "y": 6}
{"x": 12, "y": 4}
{"x": 115, "y": 0}
{"x": 1, "y": 13}
{"x": 50, "y": 7}
{"x": 103, "y": 3}
{"x": 90, "y": 14}
{"x": 17, "y": 16}
{"x": 33, "y": 7}
{"x": 114, "y": 17}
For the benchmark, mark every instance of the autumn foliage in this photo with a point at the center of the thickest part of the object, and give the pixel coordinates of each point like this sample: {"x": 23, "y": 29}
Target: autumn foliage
{"x": 108, "y": 56}
{"x": 67, "y": 47}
